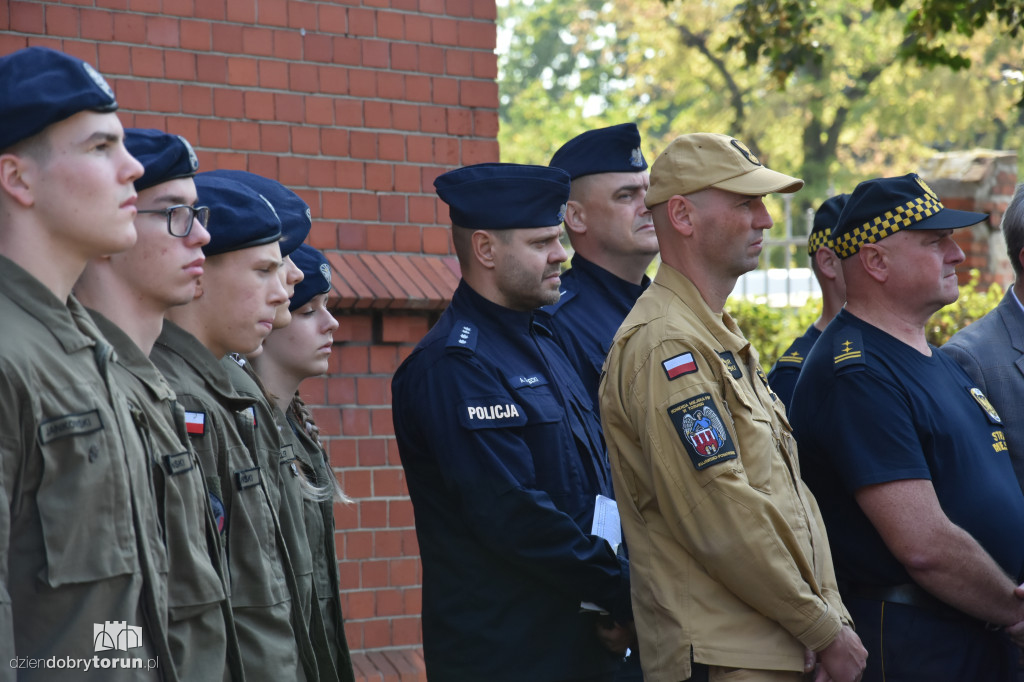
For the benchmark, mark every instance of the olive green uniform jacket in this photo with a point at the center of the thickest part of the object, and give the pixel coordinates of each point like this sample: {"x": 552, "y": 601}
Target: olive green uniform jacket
{"x": 201, "y": 629}
{"x": 220, "y": 426}
{"x": 79, "y": 528}
{"x": 729, "y": 560}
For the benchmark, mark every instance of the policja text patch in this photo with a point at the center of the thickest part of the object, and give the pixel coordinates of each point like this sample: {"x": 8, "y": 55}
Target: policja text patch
{"x": 702, "y": 432}
{"x": 491, "y": 412}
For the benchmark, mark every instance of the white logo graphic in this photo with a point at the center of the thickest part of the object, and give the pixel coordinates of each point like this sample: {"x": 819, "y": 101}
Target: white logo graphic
{"x": 115, "y": 634}
{"x": 193, "y": 160}
{"x": 325, "y": 271}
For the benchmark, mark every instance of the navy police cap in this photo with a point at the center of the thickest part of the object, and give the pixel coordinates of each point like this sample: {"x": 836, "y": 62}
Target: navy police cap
{"x": 882, "y": 207}
{"x": 825, "y": 218}
{"x": 615, "y": 149}
{"x": 164, "y": 157}
{"x": 40, "y": 86}
{"x": 316, "y": 275}
{"x": 240, "y": 217}
{"x": 504, "y": 196}
{"x": 296, "y": 219}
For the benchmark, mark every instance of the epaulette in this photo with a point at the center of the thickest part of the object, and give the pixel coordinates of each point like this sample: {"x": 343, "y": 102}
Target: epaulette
{"x": 796, "y": 353}
{"x": 563, "y": 298}
{"x": 848, "y": 351}
{"x": 463, "y": 335}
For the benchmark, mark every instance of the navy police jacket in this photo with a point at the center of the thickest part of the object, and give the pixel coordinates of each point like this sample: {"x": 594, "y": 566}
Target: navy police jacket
{"x": 503, "y": 458}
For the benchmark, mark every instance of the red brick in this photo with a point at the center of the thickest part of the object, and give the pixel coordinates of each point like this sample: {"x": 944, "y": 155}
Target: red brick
{"x": 112, "y": 4}
{"x": 178, "y": 8}
{"x": 61, "y": 21}
{"x": 375, "y": 53}
{"x": 213, "y": 132}
{"x": 147, "y": 62}
{"x": 334, "y": 141}
{"x": 302, "y": 15}
{"x": 444, "y": 31}
{"x": 243, "y": 71}
{"x": 458, "y": 62}
{"x": 419, "y": 149}
{"x": 113, "y": 59}
{"x": 332, "y": 19}
{"x": 228, "y": 39}
{"x": 292, "y": 171}
{"x": 335, "y": 206}
{"x": 317, "y": 48}
{"x": 417, "y": 28}
{"x": 380, "y": 238}
{"x": 417, "y": 89}
{"x": 377, "y": 635}
{"x": 144, "y": 6}
{"x": 408, "y": 632}
{"x": 404, "y": 57}
{"x": 258, "y": 41}
{"x": 332, "y": 80}
{"x": 358, "y": 605}
{"x": 379, "y": 179}
{"x": 358, "y": 544}
{"x": 446, "y": 91}
{"x": 392, "y": 208}
{"x": 362, "y": 22}
{"x": 304, "y": 140}
{"x": 346, "y": 51}
{"x": 390, "y": 85}
{"x": 436, "y": 240}
{"x": 165, "y": 97}
{"x": 479, "y": 94}
{"x": 389, "y": 602}
{"x": 348, "y": 112}
{"x": 180, "y": 65}
{"x": 485, "y": 65}
{"x": 391, "y": 25}
{"x": 485, "y": 124}
{"x": 130, "y": 28}
{"x": 227, "y": 103}
{"x": 273, "y": 74}
{"x": 12, "y": 43}
{"x": 356, "y": 422}
{"x": 458, "y": 8}
{"x": 390, "y": 147}
{"x": 195, "y": 35}
{"x": 259, "y": 105}
{"x": 272, "y": 13}
{"x": 407, "y": 179}
{"x": 479, "y": 151}
{"x": 241, "y": 11}
{"x": 131, "y": 94}
{"x": 288, "y": 45}
{"x": 96, "y": 25}
{"x": 405, "y": 116}
{"x": 478, "y": 35}
{"x": 274, "y": 138}
{"x": 363, "y": 83}
{"x": 186, "y": 126}
{"x": 431, "y": 60}
{"x": 245, "y": 135}
{"x": 212, "y": 10}
{"x": 364, "y": 206}
{"x": 162, "y": 31}
{"x": 303, "y": 77}
{"x": 421, "y": 210}
{"x": 433, "y": 119}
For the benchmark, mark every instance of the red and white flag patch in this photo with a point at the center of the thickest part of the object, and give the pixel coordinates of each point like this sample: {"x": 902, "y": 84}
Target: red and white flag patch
{"x": 679, "y": 365}
{"x": 195, "y": 423}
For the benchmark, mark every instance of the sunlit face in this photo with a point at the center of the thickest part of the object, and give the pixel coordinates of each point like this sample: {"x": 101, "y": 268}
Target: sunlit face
{"x": 923, "y": 268}
{"x": 303, "y": 348}
{"x": 729, "y": 230}
{"x": 161, "y": 268}
{"x": 527, "y": 267}
{"x": 241, "y": 291}
{"x": 83, "y": 186}
{"x": 290, "y": 275}
{"x": 613, "y": 208}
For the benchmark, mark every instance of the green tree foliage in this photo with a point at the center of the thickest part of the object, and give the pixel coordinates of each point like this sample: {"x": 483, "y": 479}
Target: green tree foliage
{"x": 771, "y": 330}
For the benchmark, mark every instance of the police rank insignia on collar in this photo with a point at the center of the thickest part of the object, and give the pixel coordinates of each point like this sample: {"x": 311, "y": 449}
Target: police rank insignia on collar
{"x": 679, "y": 365}
{"x": 730, "y": 364}
{"x": 702, "y": 432}
{"x": 764, "y": 380}
{"x": 986, "y": 406}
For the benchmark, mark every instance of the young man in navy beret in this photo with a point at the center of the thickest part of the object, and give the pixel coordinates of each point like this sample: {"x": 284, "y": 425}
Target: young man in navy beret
{"x": 239, "y": 293}
{"x": 906, "y": 455}
{"x": 502, "y": 451}
{"x": 83, "y": 580}
{"x": 128, "y": 294}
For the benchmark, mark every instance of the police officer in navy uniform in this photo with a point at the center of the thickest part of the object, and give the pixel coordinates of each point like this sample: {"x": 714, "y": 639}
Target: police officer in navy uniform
{"x": 502, "y": 454}
{"x": 613, "y": 238}
{"x": 825, "y": 265}
{"x": 906, "y": 455}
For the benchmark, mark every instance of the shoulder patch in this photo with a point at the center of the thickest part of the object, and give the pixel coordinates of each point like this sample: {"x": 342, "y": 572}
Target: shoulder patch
{"x": 463, "y": 335}
{"x": 195, "y": 423}
{"x": 848, "y": 350}
{"x": 491, "y": 413}
{"x": 677, "y": 366}
{"x": 730, "y": 364}
{"x": 702, "y": 432}
{"x": 986, "y": 406}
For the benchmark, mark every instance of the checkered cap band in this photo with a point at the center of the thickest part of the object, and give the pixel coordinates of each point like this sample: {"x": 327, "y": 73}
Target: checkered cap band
{"x": 889, "y": 223}
{"x": 817, "y": 240}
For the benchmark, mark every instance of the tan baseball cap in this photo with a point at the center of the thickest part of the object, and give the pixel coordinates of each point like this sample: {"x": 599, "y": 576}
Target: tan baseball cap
{"x": 697, "y": 161}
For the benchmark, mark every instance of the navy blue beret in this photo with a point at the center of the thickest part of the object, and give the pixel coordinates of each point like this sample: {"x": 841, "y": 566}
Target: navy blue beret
{"x": 316, "y": 275}
{"x": 825, "y": 218}
{"x": 240, "y": 217}
{"x": 504, "y": 196}
{"x": 40, "y": 86}
{"x": 164, "y": 156}
{"x": 882, "y": 207}
{"x": 294, "y": 213}
{"x": 615, "y": 149}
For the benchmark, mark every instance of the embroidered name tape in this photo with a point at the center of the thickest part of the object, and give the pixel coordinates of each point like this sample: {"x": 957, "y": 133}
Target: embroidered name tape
{"x": 179, "y": 463}
{"x": 247, "y": 478}
{"x": 70, "y": 425}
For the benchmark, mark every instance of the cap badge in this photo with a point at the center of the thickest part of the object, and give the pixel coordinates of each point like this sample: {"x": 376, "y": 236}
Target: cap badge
{"x": 193, "y": 161}
{"x": 100, "y": 82}
{"x": 927, "y": 190}
{"x": 309, "y": 216}
{"x": 325, "y": 270}
{"x": 636, "y": 158}
{"x": 561, "y": 212}
{"x": 749, "y": 155}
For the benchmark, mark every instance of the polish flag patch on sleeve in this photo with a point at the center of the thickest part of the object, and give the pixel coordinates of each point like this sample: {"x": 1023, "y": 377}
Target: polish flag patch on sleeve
{"x": 195, "y": 423}
{"x": 679, "y": 365}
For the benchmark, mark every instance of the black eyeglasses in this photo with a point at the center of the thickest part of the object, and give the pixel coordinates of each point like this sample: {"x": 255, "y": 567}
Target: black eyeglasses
{"x": 181, "y": 217}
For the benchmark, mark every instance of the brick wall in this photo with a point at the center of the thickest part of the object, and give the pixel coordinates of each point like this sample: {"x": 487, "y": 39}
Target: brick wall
{"x": 357, "y": 105}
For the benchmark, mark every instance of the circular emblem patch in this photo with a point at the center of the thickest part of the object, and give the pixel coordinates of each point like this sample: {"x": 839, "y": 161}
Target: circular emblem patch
{"x": 747, "y": 154}
{"x": 193, "y": 160}
{"x": 96, "y": 78}
{"x": 325, "y": 270}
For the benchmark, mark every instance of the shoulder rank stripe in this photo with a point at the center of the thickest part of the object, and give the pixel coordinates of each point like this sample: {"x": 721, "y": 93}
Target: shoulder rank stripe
{"x": 195, "y": 422}
{"x": 848, "y": 349}
{"x": 679, "y": 365}
{"x": 462, "y": 335}
{"x": 793, "y": 358}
